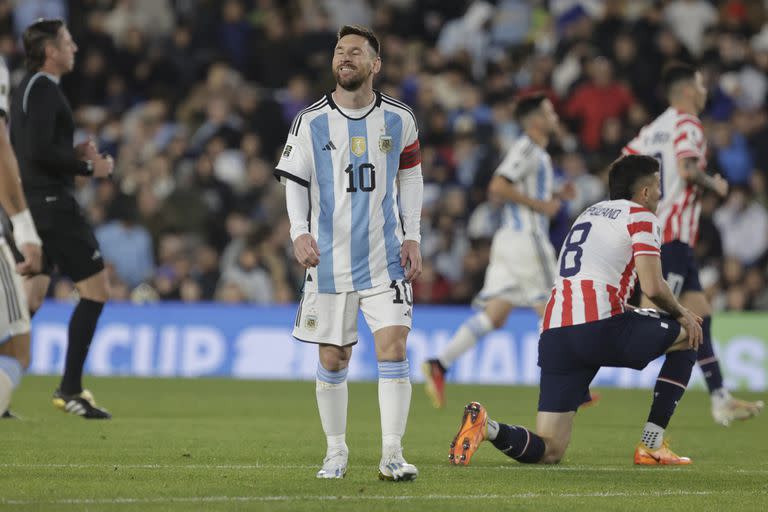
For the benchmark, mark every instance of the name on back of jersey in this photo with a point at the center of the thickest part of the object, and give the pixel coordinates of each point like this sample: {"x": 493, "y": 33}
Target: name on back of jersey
{"x": 602, "y": 211}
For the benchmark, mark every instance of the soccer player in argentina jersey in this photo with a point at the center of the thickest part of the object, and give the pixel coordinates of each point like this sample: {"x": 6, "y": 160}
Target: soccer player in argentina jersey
{"x": 587, "y": 324}
{"x": 349, "y": 160}
{"x": 677, "y": 141}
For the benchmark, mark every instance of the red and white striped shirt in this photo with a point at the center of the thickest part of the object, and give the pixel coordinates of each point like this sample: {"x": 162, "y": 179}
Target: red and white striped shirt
{"x": 597, "y": 262}
{"x": 671, "y": 136}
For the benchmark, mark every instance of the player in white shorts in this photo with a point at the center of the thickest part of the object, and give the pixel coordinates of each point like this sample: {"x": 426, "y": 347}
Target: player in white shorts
{"x": 350, "y": 158}
{"x": 14, "y": 313}
{"x": 522, "y": 263}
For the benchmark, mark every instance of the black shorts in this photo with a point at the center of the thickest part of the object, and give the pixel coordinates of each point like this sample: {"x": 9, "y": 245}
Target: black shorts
{"x": 570, "y": 357}
{"x": 679, "y": 267}
{"x": 68, "y": 239}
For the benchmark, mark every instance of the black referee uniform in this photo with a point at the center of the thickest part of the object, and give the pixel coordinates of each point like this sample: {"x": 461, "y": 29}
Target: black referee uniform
{"x": 42, "y": 134}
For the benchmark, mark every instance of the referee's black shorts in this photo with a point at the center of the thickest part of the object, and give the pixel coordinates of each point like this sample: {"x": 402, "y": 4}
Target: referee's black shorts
{"x": 68, "y": 239}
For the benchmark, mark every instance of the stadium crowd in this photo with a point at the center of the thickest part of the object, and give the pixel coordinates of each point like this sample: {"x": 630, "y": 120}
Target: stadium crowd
{"x": 194, "y": 98}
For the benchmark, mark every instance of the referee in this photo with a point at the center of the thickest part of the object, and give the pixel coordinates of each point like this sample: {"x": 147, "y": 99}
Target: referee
{"x": 42, "y": 131}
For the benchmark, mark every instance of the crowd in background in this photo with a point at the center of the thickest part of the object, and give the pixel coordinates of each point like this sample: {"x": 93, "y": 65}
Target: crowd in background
{"x": 194, "y": 98}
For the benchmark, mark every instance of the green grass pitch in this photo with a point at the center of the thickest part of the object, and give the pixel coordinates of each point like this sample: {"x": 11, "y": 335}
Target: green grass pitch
{"x": 244, "y": 445}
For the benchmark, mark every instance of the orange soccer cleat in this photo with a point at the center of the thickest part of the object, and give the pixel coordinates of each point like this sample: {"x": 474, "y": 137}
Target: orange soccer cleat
{"x": 473, "y": 431}
{"x": 434, "y": 379}
{"x": 662, "y": 456}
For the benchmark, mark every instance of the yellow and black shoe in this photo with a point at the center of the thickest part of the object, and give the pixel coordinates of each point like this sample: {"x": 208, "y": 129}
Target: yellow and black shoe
{"x": 82, "y": 404}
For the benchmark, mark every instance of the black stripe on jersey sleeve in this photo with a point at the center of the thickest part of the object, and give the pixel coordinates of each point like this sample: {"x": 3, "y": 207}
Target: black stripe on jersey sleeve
{"x": 386, "y": 100}
{"x": 279, "y": 173}
{"x": 300, "y": 116}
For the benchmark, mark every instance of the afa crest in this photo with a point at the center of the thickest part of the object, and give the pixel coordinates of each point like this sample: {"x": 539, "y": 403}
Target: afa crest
{"x": 385, "y": 143}
{"x": 357, "y": 145}
{"x": 310, "y": 322}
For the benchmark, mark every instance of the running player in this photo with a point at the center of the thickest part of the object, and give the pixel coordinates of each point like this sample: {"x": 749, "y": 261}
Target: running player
{"x": 14, "y": 315}
{"x": 587, "y": 325}
{"x": 521, "y": 270}
{"x": 350, "y": 159}
{"x": 676, "y": 140}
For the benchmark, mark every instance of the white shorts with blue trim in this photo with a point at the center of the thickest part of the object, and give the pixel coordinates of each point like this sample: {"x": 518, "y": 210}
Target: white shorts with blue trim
{"x": 14, "y": 314}
{"x": 521, "y": 271}
{"x": 331, "y": 318}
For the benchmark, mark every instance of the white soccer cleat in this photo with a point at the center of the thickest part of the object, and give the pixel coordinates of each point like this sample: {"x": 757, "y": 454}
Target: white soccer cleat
{"x": 334, "y": 465}
{"x": 727, "y": 409}
{"x": 393, "y": 467}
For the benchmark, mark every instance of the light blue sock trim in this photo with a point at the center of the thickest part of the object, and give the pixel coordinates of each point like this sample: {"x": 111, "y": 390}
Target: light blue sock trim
{"x": 331, "y": 377}
{"x": 11, "y": 367}
{"x": 394, "y": 369}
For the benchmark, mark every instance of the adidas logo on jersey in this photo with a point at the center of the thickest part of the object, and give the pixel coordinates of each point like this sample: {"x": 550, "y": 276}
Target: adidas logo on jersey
{"x": 329, "y": 146}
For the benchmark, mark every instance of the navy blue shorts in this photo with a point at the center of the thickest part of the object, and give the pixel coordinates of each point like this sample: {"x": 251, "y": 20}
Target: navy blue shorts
{"x": 570, "y": 357}
{"x": 679, "y": 267}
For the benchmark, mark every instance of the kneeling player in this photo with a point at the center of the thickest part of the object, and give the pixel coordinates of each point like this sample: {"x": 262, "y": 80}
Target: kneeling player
{"x": 587, "y": 325}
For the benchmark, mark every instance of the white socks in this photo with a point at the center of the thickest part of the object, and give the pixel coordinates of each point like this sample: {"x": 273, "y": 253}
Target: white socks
{"x": 332, "y": 398}
{"x": 493, "y": 429}
{"x": 10, "y": 376}
{"x": 653, "y": 436}
{"x": 394, "y": 402}
{"x": 465, "y": 338}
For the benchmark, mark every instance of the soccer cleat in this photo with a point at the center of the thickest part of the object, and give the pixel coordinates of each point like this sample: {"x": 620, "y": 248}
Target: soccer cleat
{"x": 82, "y": 404}
{"x": 394, "y": 468}
{"x": 334, "y": 465}
{"x": 8, "y": 415}
{"x": 594, "y": 399}
{"x": 473, "y": 431}
{"x": 434, "y": 379}
{"x": 662, "y": 456}
{"x": 726, "y": 411}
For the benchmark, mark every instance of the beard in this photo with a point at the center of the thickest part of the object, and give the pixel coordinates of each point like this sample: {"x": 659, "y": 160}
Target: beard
{"x": 352, "y": 83}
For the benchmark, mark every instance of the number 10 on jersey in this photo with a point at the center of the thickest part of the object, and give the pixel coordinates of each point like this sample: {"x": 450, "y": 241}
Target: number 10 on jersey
{"x": 366, "y": 178}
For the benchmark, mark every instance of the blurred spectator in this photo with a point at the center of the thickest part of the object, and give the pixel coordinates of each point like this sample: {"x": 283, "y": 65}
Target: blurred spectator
{"x": 743, "y": 224}
{"x": 596, "y": 101}
{"x": 689, "y": 19}
{"x": 125, "y": 244}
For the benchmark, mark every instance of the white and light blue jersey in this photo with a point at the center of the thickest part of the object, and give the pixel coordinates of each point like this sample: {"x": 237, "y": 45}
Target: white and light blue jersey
{"x": 528, "y": 166}
{"x": 350, "y": 166}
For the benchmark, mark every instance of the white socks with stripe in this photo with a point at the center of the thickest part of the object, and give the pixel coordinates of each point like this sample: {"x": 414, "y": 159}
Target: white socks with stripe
{"x": 465, "y": 338}
{"x": 653, "y": 436}
{"x": 332, "y": 397}
{"x": 394, "y": 402}
{"x": 10, "y": 376}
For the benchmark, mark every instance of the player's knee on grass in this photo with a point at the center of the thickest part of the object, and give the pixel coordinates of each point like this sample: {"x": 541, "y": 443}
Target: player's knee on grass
{"x": 18, "y": 348}
{"x": 554, "y": 452}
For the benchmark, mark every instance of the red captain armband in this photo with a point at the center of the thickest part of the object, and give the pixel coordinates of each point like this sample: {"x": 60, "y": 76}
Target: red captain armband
{"x": 411, "y": 156}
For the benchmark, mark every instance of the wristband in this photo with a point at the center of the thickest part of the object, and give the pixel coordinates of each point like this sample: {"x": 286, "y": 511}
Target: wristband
{"x": 89, "y": 167}
{"x": 24, "y": 231}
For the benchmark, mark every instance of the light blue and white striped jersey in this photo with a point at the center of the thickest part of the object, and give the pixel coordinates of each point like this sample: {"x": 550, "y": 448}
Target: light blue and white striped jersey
{"x": 528, "y": 166}
{"x": 350, "y": 166}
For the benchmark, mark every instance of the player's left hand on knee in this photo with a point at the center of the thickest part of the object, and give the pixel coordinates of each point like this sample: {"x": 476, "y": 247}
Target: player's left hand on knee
{"x": 410, "y": 259}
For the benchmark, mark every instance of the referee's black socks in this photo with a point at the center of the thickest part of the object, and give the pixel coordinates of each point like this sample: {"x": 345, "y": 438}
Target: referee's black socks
{"x": 82, "y": 325}
{"x": 519, "y": 443}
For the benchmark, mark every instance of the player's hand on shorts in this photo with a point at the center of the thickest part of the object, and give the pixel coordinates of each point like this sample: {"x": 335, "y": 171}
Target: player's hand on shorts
{"x": 721, "y": 185}
{"x": 33, "y": 260}
{"x": 410, "y": 259}
{"x": 551, "y": 207}
{"x": 692, "y": 324}
{"x": 306, "y": 251}
{"x": 103, "y": 166}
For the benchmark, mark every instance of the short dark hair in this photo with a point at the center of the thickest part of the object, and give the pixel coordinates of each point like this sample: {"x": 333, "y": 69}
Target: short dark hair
{"x": 36, "y": 37}
{"x": 626, "y": 172}
{"x": 527, "y": 105}
{"x": 362, "y": 31}
{"x": 674, "y": 73}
